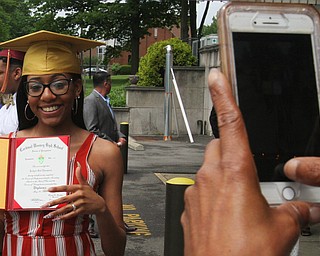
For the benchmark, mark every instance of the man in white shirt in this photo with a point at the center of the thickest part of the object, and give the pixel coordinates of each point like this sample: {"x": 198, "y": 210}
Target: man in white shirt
{"x": 11, "y": 62}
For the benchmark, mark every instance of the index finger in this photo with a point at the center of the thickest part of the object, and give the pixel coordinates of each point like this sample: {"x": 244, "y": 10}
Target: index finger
{"x": 233, "y": 135}
{"x": 305, "y": 170}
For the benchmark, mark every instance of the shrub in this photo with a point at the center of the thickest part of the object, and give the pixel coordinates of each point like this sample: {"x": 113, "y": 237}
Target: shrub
{"x": 125, "y": 70}
{"x": 115, "y": 67}
{"x": 152, "y": 65}
{"x": 118, "y": 97}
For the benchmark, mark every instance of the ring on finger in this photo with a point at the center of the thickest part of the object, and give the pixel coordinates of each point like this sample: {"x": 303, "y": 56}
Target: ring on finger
{"x": 74, "y": 207}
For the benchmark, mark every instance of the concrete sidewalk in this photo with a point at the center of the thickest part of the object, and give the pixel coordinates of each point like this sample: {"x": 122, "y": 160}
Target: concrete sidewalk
{"x": 144, "y": 191}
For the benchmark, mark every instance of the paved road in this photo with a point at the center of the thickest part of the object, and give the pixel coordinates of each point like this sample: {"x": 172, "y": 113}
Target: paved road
{"x": 144, "y": 192}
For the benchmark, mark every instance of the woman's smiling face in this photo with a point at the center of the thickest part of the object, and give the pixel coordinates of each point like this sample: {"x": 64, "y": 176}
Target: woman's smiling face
{"x": 53, "y": 106}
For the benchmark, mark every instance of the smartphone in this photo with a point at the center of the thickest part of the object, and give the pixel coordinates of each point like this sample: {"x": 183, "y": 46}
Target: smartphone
{"x": 270, "y": 54}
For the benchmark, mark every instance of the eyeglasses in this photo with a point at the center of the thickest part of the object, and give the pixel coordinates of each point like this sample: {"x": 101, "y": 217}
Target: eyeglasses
{"x": 58, "y": 87}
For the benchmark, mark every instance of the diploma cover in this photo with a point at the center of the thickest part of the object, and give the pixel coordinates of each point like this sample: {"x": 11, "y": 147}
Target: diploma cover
{"x": 28, "y": 167}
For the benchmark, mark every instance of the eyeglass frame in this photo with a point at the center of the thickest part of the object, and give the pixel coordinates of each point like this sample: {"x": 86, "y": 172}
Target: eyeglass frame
{"x": 48, "y": 86}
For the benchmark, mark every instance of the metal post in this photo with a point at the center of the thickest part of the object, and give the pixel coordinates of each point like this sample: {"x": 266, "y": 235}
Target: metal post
{"x": 173, "y": 236}
{"x": 124, "y": 128}
{"x": 168, "y": 95}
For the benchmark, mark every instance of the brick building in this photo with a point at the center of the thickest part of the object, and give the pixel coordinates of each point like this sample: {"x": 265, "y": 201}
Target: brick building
{"x": 156, "y": 35}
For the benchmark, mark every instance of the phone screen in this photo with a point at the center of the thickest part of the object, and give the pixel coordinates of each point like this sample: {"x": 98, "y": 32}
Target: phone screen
{"x": 277, "y": 94}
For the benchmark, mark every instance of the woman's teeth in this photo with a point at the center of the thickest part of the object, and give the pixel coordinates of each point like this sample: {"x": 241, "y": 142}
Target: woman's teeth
{"x": 49, "y": 109}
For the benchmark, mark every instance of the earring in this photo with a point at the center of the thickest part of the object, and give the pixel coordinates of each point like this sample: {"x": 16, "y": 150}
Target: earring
{"x": 75, "y": 108}
{"x": 25, "y": 112}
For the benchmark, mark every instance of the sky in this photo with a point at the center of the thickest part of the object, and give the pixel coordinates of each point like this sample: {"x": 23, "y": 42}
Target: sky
{"x": 213, "y": 8}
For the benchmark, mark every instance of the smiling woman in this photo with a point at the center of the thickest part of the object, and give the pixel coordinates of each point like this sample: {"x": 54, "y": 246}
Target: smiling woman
{"x": 50, "y": 103}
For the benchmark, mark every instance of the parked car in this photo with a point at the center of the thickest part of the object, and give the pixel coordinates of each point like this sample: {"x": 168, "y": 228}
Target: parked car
{"x": 93, "y": 70}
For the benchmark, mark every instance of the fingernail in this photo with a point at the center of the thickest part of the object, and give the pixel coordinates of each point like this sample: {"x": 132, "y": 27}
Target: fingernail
{"x": 48, "y": 216}
{"x": 290, "y": 168}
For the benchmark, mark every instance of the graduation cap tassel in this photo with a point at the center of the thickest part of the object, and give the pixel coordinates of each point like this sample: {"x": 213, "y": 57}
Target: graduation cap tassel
{"x": 6, "y": 76}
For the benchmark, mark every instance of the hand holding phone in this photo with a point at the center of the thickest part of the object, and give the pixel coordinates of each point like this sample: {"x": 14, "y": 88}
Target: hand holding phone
{"x": 270, "y": 55}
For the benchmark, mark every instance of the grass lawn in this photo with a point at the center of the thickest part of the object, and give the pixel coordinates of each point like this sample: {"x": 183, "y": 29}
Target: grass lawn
{"x": 117, "y": 94}
{"x": 120, "y": 80}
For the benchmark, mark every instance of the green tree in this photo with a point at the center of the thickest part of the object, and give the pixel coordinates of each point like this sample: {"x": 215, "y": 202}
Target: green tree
{"x": 188, "y": 20}
{"x": 63, "y": 16}
{"x": 15, "y": 19}
{"x": 129, "y": 21}
{"x": 126, "y": 21}
{"x": 210, "y": 29}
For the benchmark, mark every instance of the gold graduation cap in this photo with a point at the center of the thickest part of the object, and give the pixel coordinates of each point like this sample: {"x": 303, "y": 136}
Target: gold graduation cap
{"x": 49, "y": 53}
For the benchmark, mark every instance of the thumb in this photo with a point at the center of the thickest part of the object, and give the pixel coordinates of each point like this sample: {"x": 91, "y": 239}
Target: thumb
{"x": 80, "y": 178}
{"x": 303, "y": 213}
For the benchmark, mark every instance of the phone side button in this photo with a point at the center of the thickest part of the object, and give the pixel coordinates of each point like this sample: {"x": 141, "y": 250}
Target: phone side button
{"x": 288, "y": 193}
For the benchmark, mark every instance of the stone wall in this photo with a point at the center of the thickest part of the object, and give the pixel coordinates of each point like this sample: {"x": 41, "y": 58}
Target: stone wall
{"x": 146, "y": 110}
{"x": 145, "y": 105}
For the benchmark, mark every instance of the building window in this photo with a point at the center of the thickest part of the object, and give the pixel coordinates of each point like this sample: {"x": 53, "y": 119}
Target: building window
{"x": 101, "y": 52}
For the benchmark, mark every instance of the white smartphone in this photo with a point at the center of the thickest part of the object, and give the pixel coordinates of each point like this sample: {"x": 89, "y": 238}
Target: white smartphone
{"x": 270, "y": 54}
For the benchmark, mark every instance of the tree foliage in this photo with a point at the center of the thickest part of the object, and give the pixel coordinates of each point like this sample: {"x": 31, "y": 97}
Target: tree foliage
{"x": 129, "y": 21}
{"x": 15, "y": 19}
{"x": 63, "y": 16}
{"x": 126, "y": 21}
{"x": 210, "y": 29}
{"x": 188, "y": 20}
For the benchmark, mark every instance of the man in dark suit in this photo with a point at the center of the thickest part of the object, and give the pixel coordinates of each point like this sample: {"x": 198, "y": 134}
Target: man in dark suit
{"x": 99, "y": 119}
{"x": 98, "y": 114}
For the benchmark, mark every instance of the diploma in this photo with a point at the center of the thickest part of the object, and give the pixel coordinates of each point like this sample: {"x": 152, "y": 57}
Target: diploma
{"x": 34, "y": 165}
